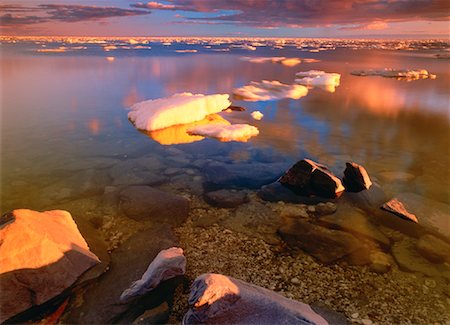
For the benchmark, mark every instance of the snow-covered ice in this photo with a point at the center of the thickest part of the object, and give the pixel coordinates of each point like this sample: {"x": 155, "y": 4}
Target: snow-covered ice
{"x": 290, "y": 62}
{"x": 233, "y": 132}
{"x": 398, "y": 74}
{"x": 183, "y": 108}
{"x": 316, "y": 78}
{"x": 268, "y": 90}
{"x": 257, "y": 115}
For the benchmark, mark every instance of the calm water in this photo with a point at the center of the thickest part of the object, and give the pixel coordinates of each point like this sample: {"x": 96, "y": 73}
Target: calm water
{"x": 63, "y": 108}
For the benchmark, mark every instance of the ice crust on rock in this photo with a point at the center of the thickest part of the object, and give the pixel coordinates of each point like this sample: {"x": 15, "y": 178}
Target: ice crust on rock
{"x": 395, "y": 73}
{"x": 222, "y": 132}
{"x": 317, "y": 78}
{"x": 269, "y": 90}
{"x": 182, "y": 108}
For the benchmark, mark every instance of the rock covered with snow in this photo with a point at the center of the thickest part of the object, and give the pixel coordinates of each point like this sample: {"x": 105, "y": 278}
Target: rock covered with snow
{"x": 168, "y": 264}
{"x": 41, "y": 255}
{"x": 222, "y": 132}
{"x": 396, "y": 73}
{"x": 219, "y": 299}
{"x": 316, "y": 78}
{"x": 183, "y": 108}
{"x": 269, "y": 90}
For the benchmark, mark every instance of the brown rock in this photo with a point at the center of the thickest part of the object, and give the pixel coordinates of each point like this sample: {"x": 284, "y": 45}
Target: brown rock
{"x": 324, "y": 244}
{"x": 226, "y": 198}
{"x": 356, "y": 178}
{"x": 381, "y": 262}
{"x": 434, "y": 249}
{"x": 145, "y": 202}
{"x": 396, "y": 207}
{"x": 310, "y": 178}
{"x": 41, "y": 255}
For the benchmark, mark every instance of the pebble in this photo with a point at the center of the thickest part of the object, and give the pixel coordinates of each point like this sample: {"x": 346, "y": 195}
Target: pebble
{"x": 295, "y": 281}
{"x": 366, "y": 321}
{"x": 355, "y": 315}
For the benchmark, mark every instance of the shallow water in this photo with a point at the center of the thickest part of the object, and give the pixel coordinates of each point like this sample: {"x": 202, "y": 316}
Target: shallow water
{"x": 67, "y": 142}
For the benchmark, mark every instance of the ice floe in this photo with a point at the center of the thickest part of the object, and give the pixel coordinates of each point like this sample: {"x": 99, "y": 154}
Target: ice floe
{"x": 233, "y": 132}
{"x": 183, "y": 108}
{"x": 257, "y": 115}
{"x": 290, "y": 62}
{"x": 397, "y": 74}
{"x": 316, "y": 78}
{"x": 186, "y": 51}
{"x": 269, "y": 90}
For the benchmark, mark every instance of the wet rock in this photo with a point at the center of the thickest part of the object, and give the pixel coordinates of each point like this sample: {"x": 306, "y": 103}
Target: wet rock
{"x": 370, "y": 199}
{"x": 254, "y": 175}
{"x": 434, "y": 249}
{"x": 380, "y": 262}
{"x": 331, "y": 316}
{"x": 41, "y": 255}
{"x": 137, "y": 172}
{"x": 310, "y": 178}
{"x": 235, "y": 108}
{"x": 293, "y": 211}
{"x": 323, "y": 209}
{"x": 396, "y": 207}
{"x": 433, "y": 215}
{"x": 158, "y": 315}
{"x": 226, "y": 198}
{"x": 324, "y": 244}
{"x": 355, "y": 221}
{"x": 144, "y": 202}
{"x": 168, "y": 264}
{"x": 218, "y": 299}
{"x": 101, "y": 302}
{"x": 409, "y": 259}
{"x": 356, "y": 178}
{"x": 275, "y": 192}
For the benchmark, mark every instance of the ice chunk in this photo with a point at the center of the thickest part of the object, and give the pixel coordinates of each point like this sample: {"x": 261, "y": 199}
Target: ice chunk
{"x": 290, "y": 62}
{"x": 257, "y": 115}
{"x": 186, "y": 51}
{"x": 184, "y": 108}
{"x": 268, "y": 90}
{"x": 317, "y": 78}
{"x": 234, "y": 132}
{"x": 398, "y": 74}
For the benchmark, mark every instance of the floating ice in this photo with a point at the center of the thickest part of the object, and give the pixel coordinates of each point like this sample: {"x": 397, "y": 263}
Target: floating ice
{"x": 233, "y": 132}
{"x": 186, "y": 51}
{"x": 290, "y": 62}
{"x": 268, "y": 90}
{"x": 257, "y": 115}
{"x": 317, "y": 78}
{"x": 398, "y": 74}
{"x": 184, "y": 108}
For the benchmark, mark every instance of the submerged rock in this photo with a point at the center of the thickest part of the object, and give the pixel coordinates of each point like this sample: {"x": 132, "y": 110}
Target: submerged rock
{"x": 396, "y": 207}
{"x": 145, "y": 202}
{"x": 41, "y": 255}
{"x": 380, "y": 262}
{"x": 101, "y": 302}
{"x": 168, "y": 264}
{"x": 226, "y": 198}
{"x": 310, "y": 178}
{"x": 324, "y": 244}
{"x": 219, "y": 299}
{"x": 275, "y": 192}
{"x": 434, "y": 249}
{"x": 356, "y": 178}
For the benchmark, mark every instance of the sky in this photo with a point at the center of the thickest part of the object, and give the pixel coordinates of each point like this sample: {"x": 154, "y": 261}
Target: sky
{"x": 229, "y": 18}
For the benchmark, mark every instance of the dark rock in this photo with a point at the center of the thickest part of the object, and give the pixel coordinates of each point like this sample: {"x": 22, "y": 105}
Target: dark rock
{"x": 434, "y": 249}
{"x": 323, "y": 209}
{"x": 168, "y": 264}
{"x": 355, "y": 221}
{"x": 226, "y": 198}
{"x": 235, "y": 108}
{"x": 276, "y": 192}
{"x": 142, "y": 202}
{"x": 101, "y": 301}
{"x": 143, "y": 171}
{"x": 331, "y": 316}
{"x": 356, "y": 178}
{"x": 158, "y": 315}
{"x": 396, "y": 207}
{"x": 41, "y": 255}
{"x": 409, "y": 259}
{"x": 254, "y": 175}
{"x": 310, "y": 178}
{"x": 324, "y": 244}
{"x": 218, "y": 299}
{"x": 370, "y": 199}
